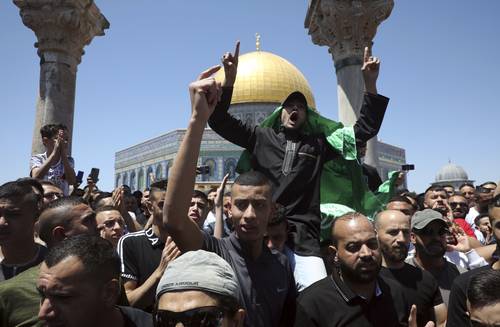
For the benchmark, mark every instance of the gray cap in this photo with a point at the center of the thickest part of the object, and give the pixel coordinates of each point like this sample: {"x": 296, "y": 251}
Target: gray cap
{"x": 423, "y": 218}
{"x": 201, "y": 271}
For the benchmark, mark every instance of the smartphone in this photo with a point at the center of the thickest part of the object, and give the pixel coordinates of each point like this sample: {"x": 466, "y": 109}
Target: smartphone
{"x": 203, "y": 170}
{"x": 407, "y": 167}
{"x": 94, "y": 174}
{"x": 79, "y": 177}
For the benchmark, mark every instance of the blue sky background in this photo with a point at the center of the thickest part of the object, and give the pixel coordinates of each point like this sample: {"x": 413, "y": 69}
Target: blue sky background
{"x": 439, "y": 67}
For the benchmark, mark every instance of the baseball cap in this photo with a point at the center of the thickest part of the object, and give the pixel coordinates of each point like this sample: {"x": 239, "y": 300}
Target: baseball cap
{"x": 199, "y": 270}
{"x": 423, "y": 218}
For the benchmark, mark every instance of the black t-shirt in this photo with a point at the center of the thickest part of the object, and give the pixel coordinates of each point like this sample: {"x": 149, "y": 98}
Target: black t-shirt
{"x": 140, "y": 254}
{"x": 420, "y": 288}
{"x": 457, "y": 307}
{"x": 331, "y": 303}
{"x": 135, "y": 318}
{"x": 267, "y": 285}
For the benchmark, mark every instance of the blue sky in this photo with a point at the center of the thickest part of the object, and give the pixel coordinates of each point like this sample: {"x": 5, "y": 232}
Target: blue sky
{"x": 439, "y": 67}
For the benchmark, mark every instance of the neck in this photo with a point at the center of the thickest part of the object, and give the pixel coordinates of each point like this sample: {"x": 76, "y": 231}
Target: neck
{"x": 392, "y": 264}
{"x": 19, "y": 253}
{"x": 366, "y": 290}
{"x": 429, "y": 263}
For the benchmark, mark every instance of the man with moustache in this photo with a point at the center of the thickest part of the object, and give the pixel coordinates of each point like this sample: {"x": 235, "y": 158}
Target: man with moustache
{"x": 354, "y": 295}
{"x": 429, "y": 231}
{"x": 419, "y": 286}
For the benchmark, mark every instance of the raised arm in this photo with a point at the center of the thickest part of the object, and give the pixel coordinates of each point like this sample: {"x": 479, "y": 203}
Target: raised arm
{"x": 230, "y": 128}
{"x": 374, "y": 105}
{"x": 204, "y": 93}
{"x": 219, "y": 211}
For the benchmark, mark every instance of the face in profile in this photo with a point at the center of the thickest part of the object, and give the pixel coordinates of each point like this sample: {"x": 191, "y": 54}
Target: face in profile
{"x": 251, "y": 208}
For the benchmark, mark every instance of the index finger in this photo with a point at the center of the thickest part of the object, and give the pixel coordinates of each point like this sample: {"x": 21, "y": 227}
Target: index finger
{"x": 367, "y": 54}
{"x": 237, "y": 49}
{"x": 224, "y": 180}
{"x": 208, "y": 72}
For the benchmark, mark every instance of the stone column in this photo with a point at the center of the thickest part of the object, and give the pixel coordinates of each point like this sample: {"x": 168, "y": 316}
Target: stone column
{"x": 63, "y": 28}
{"x": 346, "y": 27}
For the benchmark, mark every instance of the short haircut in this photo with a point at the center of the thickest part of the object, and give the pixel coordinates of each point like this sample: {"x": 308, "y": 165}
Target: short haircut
{"x": 19, "y": 190}
{"x": 100, "y": 260}
{"x": 44, "y": 182}
{"x": 211, "y": 190}
{"x": 48, "y": 222}
{"x": 105, "y": 208}
{"x": 347, "y": 216}
{"x": 228, "y": 193}
{"x": 484, "y": 289}
{"x": 102, "y": 195}
{"x": 400, "y": 198}
{"x": 434, "y": 188}
{"x": 479, "y": 217}
{"x": 137, "y": 194}
{"x": 488, "y": 183}
{"x": 448, "y": 185}
{"x": 252, "y": 178}
{"x": 159, "y": 186}
{"x": 466, "y": 184}
{"x": 51, "y": 130}
{"x": 279, "y": 215}
{"x": 37, "y": 184}
{"x": 200, "y": 194}
{"x": 495, "y": 202}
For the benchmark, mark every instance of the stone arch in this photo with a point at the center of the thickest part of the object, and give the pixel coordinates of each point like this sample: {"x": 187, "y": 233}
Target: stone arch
{"x": 230, "y": 167}
{"x": 133, "y": 184}
{"x": 148, "y": 176}
{"x": 140, "y": 180}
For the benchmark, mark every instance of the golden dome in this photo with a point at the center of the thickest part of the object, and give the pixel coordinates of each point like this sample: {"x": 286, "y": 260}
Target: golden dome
{"x": 266, "y": 77}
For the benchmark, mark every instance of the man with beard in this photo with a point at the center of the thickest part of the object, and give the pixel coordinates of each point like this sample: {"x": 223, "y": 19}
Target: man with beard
{"x": 485, "y": 193}
{"x": 436, "y": 198}
{"x": 459, "y": 208}
{"x": 469, "y": 192}
{"x": 428, "y": 234}
{"x": 457, "y": 313}
{"x": 419, "y": 287}
{"x": 353, "y": 295}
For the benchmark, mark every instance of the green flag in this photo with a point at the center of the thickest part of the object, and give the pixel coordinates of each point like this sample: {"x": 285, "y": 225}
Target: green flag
{"x": 343, "y": 188}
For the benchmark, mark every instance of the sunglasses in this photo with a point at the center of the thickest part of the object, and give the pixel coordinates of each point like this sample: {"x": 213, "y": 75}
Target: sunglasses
{"x": 198, "y": 317}
{"x": 454, "y": 205}
{"x": 111, "y": 223}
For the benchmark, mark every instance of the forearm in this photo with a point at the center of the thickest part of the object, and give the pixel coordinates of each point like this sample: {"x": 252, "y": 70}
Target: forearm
{"x": 371, "y": 116}
{"x": 69, "y": 172}
{"x": 183, "y": 230}
{"x": 40, "y": 171}
{"x": 132, "y": 225}
{"x": 138, "y": 295}
{"x": 219, "y": 222}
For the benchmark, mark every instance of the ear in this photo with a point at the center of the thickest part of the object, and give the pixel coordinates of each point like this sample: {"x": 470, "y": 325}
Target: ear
{"x": 58, "y": 234}
{"x": 239, "y": 318}
{"x": 111, "y": 292}
{"x": 413, "y": 238}
{"x": 332, "y": 251}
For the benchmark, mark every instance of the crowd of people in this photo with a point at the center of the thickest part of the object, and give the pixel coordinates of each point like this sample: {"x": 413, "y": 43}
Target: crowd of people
{"x": 257, "y": 254}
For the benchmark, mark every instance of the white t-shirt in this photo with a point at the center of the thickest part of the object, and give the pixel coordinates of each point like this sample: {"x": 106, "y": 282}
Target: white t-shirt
{"x": 55, "y": 173}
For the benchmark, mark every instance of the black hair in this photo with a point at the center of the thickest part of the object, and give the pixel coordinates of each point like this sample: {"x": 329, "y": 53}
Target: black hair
{"x": 435, "y": 188}
{"x": 160, "y": 185}
{"x": 37, "y": 184}
{"x": 466, "y": 184}
{"x": 448, "y": 185}
{"x": 102, "y": 195}
{"x": 488, "y": 183}
{"x": 51, "y": 130}
{"x": 420, "y": 201}
{"x": 20, "y": 190}
{"x": 484, "y": 289}
{"x": 137, "y": 194}
{"x": 252, "y": 178}
{"x": 495, "y": 202}
{"x": 99, "y": 258}
{"x": 228, "y": 193}
{"x": 212, "y": 189}
{"x": 105, "y": 208}
{"x": 479, "y": 217}
{"x": 279, "y": 216}
{"x": 200, "y": 194}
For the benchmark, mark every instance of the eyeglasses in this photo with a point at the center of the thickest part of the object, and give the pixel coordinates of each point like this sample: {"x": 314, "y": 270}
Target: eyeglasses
{"x": 111, "y": 223}
{"x": 481, "y": 189}
{"x": 198, "y": 317}
{"x": 432, "y": 232}
{"x": 454, "y": 205}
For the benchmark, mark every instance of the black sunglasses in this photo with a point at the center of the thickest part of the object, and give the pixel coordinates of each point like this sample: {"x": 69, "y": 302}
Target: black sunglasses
{"x": 454, "y": 205}
{"x": 198, "y": 317}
